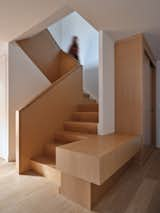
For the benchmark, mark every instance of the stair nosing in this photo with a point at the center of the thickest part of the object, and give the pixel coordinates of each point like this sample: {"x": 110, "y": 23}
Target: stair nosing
{"x": 81, "y": 122}
{"x": 39, "y": 158}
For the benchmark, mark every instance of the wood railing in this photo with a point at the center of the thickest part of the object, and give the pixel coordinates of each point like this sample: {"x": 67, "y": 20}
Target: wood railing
{"x": 37, "y": 122}
{"x": 43, "y": 50}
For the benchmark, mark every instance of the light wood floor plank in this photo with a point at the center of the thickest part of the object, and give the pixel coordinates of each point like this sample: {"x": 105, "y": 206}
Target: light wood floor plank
{"x": 137, "y": 191}
{"x": 142, "y": 197}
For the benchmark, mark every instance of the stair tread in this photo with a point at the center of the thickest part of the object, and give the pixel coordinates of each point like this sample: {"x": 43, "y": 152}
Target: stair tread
{"x": 45, "y": 160}
{"x": 90, "y": 113}
{"x": 90, "y": 107}
{"x": 81, "y": 123}
{"x": 68, "y": 136}
{"x": 88, "y": 104}
{"x": 56, "y": 143}
{"x": 46, "y": 166}
{"x": 76, "y": 126}
{"x": 70, "y": 133}
{"x": 85, "y": 116}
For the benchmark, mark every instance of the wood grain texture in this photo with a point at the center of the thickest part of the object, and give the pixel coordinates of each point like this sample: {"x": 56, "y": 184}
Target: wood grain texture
{"x": 85, "y": 116}
{"x": 77, "y": 190}
{"x": 83, "y": 127}
{"x": 66, "y": 63}
{"x": 47, "y": 55}
{"x": 147, "y": 188}
{"x": 97, "y": 158}
{"x": 29, "y": 192}
{"x": 129, "y": 85}
{"x": 91, "y": 107}
{"x": 134, "y": 93}
{"x": 39, "y": 120}
{"x": 68, "y": 136}
{"x": 46, "y": 167}
{"x": 88, "y": 194}
{"x": 44, "y": 52}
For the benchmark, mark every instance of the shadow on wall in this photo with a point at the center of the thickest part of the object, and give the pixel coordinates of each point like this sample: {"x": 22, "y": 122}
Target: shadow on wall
{"x": 90, "y": 81}
{"x": 91, "y": 62}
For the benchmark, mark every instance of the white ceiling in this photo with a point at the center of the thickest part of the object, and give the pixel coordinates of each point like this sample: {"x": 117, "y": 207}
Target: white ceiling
{"x": 119, "y": 17}
{"x": 18, "y": 16}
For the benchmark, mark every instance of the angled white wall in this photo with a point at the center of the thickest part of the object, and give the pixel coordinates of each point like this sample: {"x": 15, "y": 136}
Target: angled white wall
{"x": 26, "y": 81}
{"x": 75, "y": 25}
{"x": 106, "y": 84}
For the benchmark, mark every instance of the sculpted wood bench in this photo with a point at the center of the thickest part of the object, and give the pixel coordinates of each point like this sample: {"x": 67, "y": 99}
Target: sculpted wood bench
{"x": 87, "y": 166}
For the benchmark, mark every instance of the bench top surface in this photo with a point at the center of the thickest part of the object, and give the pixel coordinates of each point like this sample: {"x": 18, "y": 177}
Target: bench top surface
{"x": 100, "y": 145}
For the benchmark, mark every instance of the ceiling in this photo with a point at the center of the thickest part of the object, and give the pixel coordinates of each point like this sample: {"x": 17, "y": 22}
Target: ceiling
{"x": 18, "y": 16}
{"x": 119, "y": 17}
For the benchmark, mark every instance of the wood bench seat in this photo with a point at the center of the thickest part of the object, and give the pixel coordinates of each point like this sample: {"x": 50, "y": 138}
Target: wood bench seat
{"x": 88, "y": 165}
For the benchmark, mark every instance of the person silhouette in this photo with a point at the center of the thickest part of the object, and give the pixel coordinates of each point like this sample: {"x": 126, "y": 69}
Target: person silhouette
{"x": 74, "y": 48}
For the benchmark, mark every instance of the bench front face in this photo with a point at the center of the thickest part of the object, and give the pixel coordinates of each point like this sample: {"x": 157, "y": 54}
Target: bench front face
{"x": 96, "y": 166}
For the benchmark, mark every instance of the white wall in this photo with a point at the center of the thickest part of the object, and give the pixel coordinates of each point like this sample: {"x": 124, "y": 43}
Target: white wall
{"x": 26, "y": 81}
{"x": 106, "y": 84}
{"x": 158, "y": 104}
{"x": 4, "y": 101}
{"x": 64, "y": 30}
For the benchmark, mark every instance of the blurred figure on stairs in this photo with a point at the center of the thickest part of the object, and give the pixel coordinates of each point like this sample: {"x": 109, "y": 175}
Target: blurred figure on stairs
{"x": 74, "y": 48}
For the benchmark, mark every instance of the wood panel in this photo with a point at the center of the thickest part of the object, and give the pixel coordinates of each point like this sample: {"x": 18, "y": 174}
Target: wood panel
{"x": 43, "y": 167}
{"x": 129, "y": 85}
{"x": 97, "y": 158}
{"x": 135, "y": 90}
{"x": 67, "y": 63}
{"x": 88, "y": 194}
{"x": 40, "y": 119}
{"x": 77, "y": 190}
{"x": 44, "y": 52}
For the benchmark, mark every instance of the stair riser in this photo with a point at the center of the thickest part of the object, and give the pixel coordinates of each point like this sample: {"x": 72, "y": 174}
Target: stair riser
{"x": 46, "y": 171}
{"x": 66, "y": 139}
{"x": 85, "y": 117}
{"x": 82, "y": 129}
{"x": 88, "y": 108}
{"x": 50, "y": 150}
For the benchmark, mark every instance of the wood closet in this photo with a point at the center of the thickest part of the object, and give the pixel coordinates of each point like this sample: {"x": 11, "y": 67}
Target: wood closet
{"x": 135, "y": 94}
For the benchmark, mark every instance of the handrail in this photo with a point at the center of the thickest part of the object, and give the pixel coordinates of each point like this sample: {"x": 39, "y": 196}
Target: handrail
{"x": 70, "y": 56}
{"x": 50, "y": 87}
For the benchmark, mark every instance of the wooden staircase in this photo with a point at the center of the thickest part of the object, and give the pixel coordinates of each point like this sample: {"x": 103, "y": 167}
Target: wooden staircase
{"x": 83, "y": 122}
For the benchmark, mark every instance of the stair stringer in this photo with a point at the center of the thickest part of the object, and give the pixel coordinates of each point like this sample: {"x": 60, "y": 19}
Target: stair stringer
{"x": 39, "y": 120}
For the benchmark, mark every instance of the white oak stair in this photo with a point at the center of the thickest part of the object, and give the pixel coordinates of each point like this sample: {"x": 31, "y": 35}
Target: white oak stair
{"x": 85, "y": 116}
{"x": 91, "y": 107}
{"x": 83, "y": 127}
{"x": 83, "y": 123}
{"x": 45, "y": 166}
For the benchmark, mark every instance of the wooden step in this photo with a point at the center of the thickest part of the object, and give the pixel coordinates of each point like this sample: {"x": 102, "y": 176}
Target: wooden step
{"x": 86, "y": 127}
{"x": 85, "y": 116}
{"x": 50, "y": 150}
{"x": 46, "y": 167}
{"x": 93, "y": 107}
{"x": 64, "y": 137}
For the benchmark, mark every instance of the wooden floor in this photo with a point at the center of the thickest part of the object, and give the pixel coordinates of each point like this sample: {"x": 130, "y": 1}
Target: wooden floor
{"x": 137, "y": 191}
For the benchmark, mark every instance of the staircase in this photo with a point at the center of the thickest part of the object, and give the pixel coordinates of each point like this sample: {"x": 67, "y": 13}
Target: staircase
{"x": 83, "y": 122}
